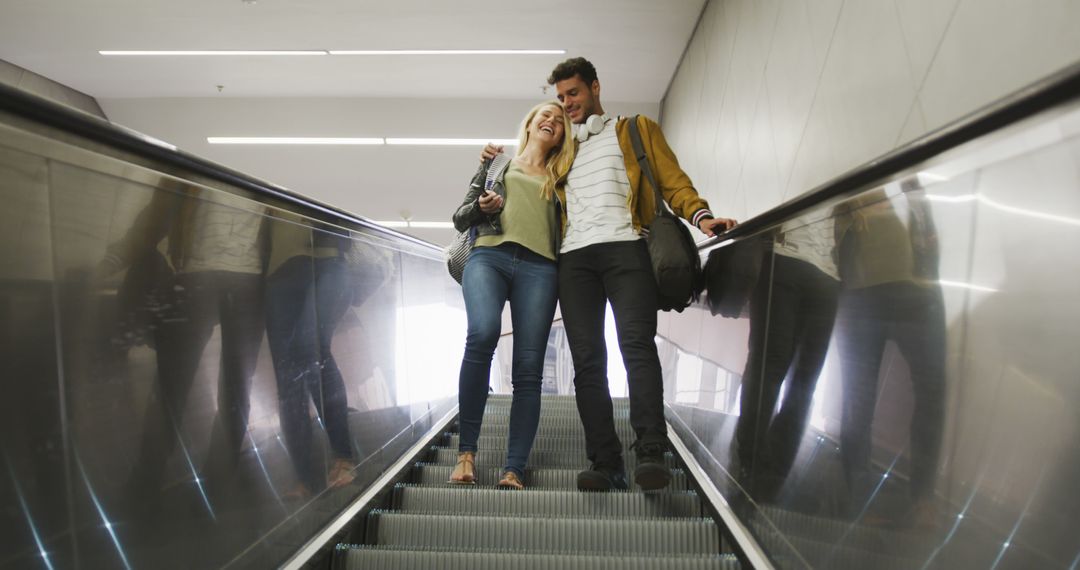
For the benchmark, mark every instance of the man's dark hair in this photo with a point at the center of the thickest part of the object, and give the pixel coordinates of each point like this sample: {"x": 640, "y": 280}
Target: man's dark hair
{"x": 574, "y": 66}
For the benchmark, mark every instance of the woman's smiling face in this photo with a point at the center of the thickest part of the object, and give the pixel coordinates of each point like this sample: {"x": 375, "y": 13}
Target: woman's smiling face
{"x": 547, "y": 125}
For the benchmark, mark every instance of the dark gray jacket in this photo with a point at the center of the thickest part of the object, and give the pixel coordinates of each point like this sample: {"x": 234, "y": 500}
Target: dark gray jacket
{"x": 469, "y": 214}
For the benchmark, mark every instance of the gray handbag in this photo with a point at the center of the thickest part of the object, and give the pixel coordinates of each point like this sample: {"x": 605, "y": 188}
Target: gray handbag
{"x": 457, "y": 253}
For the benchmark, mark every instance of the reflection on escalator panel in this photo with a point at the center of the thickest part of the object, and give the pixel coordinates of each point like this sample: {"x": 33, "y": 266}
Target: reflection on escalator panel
{"x": 33, "y": 484}
{"x": 792, "y": 309}
{"x": 890, "y": 294}
{"x": 213, "y": 277}
{"x": 313, "y": 279}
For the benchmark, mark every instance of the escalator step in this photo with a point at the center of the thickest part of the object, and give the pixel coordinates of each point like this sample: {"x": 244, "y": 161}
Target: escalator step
{"x": 362, "y": 557}
{"x": 469, "y": 500}
{"x": 563, "y": 399}
{"x": 552, "y": 421}
{"x": 554, "y": 535}
{"x": 557, "y": 408}
{"x": 539, "y": 478}
{"x": 553, "y": 429}
{"x": 542, "y": 458}
{"x": 500, "y": 442}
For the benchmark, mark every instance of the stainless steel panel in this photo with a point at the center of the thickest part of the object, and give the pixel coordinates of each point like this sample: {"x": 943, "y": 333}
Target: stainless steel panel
{"x": 919, "y": 408}
{"x": 145, "y": 423}
{"x": 34, "y": 471}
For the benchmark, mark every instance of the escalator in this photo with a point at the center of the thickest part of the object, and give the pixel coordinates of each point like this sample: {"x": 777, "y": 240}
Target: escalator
{"x": 433, "y": 524}
{"x": 83, "y": 377}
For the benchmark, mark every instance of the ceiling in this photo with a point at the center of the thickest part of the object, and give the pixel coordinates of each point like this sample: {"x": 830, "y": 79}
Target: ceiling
{"x": 636, "y": 46}
{"x": 636, "y": 43}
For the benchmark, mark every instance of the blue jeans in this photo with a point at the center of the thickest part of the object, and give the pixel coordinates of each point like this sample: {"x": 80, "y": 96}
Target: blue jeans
{"x": 492, "y": 276}
{"x": 306, "y": 299}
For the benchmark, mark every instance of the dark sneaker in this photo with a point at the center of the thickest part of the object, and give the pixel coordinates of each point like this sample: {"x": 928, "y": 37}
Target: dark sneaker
{"x": 651, "y": 472}
{"x": 598, "y": 478}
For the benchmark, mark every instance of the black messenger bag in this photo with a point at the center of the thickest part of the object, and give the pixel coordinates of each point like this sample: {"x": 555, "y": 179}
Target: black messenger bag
{"x": 675, "y": 260}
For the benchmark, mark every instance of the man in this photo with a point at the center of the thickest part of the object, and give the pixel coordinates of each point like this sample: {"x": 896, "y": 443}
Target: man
{"x": 607, "y": 207}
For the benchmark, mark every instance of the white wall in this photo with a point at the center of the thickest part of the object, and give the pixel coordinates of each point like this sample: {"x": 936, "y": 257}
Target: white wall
{"x": 379, "y": 182}
{"x": 775, "y": 97}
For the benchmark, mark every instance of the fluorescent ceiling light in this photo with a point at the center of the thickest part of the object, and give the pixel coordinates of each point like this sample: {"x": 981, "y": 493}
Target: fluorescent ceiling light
{"x": 213, "y": 52}
{"x": 296, "y": 140}
{"x": 448, "y": 52}
{"x": 452, "y": 142}
{"x": 231, "y": 52}
{"x": 434, "y": 225}
{"x": 359, "y": 141}
{"x": 412, "y": 224}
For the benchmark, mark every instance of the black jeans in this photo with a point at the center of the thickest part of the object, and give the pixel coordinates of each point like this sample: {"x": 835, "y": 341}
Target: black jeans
{"x": 619, "y": 272}
{"x": 913, "y": 317}
{"x": 197, "y": 303}
{"x": 791, "y": 321}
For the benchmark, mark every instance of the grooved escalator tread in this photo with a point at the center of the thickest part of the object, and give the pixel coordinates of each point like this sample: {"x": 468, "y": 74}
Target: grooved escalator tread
{"x": 564, "y": 459}
{"x": 535, "y": 478}
{"x": 480, "y": 501}
{"x": 384, "y": 558}
{"x": 554, "y": 535}
{"x": 499, "y": 442}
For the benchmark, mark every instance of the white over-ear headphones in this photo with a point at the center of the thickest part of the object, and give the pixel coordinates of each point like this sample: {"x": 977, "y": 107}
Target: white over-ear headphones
{"x": 592, "y": 126}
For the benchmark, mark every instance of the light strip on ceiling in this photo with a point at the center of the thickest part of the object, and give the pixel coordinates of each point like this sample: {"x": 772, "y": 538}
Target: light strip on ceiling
{"x": 412, "y": 224}
{"x": 212, "y": 52}
{"x": 432, "y": 225}
{"x": 228, "y": 52}
{"x": 296, "y": 140}
{"x": 448, "y": 52}
{"x": 358, "y": 141}
{"x": 450, "y": 142}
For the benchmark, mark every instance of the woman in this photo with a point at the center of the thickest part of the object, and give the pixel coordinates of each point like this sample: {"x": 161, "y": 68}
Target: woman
{"x": 517, "y": 224}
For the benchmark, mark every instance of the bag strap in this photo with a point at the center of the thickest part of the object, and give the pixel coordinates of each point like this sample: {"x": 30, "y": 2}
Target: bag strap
{"x": 496, "y": 169}
{"x": 643, "y": 162}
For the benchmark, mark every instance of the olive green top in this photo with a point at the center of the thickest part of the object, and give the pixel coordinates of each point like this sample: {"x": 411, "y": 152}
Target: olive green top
{"x": 527, "y": 216}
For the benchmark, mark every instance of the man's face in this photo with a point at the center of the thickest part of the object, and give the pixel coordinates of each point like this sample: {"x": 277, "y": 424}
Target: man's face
{"x": 578, "y": 99}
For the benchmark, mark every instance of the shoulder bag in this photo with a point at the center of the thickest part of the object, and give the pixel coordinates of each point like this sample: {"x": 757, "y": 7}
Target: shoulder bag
{"x": 674, "y": 255}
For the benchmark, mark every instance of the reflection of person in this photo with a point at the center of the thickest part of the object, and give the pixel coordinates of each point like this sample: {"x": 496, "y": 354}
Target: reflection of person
{"x": 890, "y": 292}
{"x": 604, "y": 259}
{"x": 308, "y": 291}
{"x": 215, "y": 250}
{"x": 791, "y": 319}
{"x": 513, "y": 260}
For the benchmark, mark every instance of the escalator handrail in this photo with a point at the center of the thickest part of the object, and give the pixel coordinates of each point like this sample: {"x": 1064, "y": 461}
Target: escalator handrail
{"x": 1048, "y": 92}
{"x": 52, "y": 114}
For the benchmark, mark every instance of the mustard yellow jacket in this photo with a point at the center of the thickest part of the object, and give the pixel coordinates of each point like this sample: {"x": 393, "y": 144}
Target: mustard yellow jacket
{"x": 675, "y": 185}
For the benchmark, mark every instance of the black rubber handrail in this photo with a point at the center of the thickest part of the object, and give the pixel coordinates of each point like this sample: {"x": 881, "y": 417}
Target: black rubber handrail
{"x": 1048, "y": 92}
{"x": 40, "y": 110}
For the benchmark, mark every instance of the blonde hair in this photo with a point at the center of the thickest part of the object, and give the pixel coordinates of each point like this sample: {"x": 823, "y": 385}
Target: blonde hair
{"x": 560, "y": 157}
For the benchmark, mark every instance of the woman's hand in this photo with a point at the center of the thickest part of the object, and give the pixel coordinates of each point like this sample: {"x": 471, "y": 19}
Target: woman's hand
{"x": 490, "y": 202}
{"x": 490, "y": 150}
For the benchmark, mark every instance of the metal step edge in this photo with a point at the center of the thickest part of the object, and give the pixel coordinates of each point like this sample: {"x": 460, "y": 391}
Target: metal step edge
{"x": 591, "y": 536}
{"x": 351, "y": 557}
{"x": 537, "y": 478}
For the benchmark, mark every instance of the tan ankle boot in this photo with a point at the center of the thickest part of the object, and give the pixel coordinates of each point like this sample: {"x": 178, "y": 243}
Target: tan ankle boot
{"x": 465, "y": 470}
